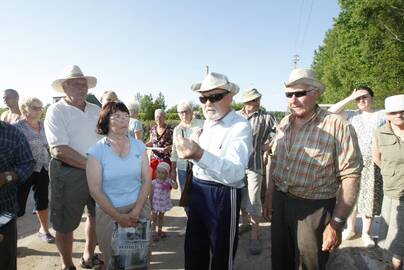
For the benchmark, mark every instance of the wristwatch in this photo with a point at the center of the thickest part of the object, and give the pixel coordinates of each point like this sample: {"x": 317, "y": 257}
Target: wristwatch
{"x": 8, "y": 177}
{"x": 337, "y": 223}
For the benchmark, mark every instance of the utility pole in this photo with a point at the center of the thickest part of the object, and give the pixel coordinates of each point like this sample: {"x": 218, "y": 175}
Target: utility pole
{"x": 296, "y": 58}
{"x": 207, "y": 69}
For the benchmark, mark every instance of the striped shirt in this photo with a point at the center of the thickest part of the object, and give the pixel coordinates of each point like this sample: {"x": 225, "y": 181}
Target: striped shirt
{"x": 325, "y": 151}
{"x": 263, "y": 126}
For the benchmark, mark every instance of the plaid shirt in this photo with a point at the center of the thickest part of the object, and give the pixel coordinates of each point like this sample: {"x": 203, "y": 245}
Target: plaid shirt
{"x": 325, "y": 151}
{"x": 15, "y": 156}
{"x": 263, "y": 126}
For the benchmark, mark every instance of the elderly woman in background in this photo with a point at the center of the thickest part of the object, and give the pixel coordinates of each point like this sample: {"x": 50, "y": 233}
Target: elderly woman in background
{"x": 161, "y": 137}
{"x": 365, "y": 120}
{"x": 135, "y": 125}
{"x": 108, "y": 96}
{"x": 33, "y": 129}
{"x": 186, "y": 128}
{"x": 118, "y": 175}
{"x": 388, "y": 153}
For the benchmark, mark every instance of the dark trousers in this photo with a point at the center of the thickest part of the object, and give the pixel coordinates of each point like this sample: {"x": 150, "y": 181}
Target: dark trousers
{"x": 297, "y": 232}
{"x": 212, "y": 228}
{"x": 39, "y": 181}
{"x": 8, "y": 246}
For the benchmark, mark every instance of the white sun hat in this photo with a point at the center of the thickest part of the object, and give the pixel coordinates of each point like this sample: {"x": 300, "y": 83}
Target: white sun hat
{"x": 164, "y": 166}
{"x": 304, "y": 76}
{"x": 250, "y": 94}
{"x": 73, "y": 72}
{"x": 213, "y": 81}
{"x": 394, "y": 104}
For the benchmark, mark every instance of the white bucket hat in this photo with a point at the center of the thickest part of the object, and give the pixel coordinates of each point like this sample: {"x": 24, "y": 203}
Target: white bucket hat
{"x": 164, "y": 166}
{"x": 304, "y": 76}
{"x": 394, "y": 104}
{"x": 250, "y": 94}
{"x": 73, "y": 72}
{"x": 215, "y": 80}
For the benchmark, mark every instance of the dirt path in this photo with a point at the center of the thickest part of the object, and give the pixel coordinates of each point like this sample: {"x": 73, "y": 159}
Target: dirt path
{"x": 166, "y": 254}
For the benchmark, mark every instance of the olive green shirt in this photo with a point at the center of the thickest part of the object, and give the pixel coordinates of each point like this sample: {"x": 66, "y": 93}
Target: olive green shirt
{"x": 392, "y": 161}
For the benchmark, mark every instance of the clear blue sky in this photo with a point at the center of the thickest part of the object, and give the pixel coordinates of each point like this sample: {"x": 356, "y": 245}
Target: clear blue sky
{"x": 151, "y": 46}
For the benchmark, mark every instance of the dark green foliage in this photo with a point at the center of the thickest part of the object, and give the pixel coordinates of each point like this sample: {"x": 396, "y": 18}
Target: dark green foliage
{"x": 92, "y": 99}
{"x": 364, "y": 47}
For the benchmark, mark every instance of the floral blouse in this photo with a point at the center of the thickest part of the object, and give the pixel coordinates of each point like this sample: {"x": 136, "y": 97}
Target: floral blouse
{"x": 37, "y": 143}
{"x": 163, "y": 140}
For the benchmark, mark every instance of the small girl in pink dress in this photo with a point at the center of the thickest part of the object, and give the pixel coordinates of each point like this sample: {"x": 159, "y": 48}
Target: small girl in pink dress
{"x": 160, "y": 198}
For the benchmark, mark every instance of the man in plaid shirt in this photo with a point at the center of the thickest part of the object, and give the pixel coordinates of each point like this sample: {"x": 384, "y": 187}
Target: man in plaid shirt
{"x": 16, "y": 165}
{"x": 315, "y": 159}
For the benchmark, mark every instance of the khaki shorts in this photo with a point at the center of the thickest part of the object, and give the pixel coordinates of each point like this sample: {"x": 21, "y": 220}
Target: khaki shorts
{"x": 251, "y": 194}
{"x": 69, "y": 195}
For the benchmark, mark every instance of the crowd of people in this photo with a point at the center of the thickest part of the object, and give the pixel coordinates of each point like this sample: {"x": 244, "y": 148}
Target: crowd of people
{"x": 316, "y": 168}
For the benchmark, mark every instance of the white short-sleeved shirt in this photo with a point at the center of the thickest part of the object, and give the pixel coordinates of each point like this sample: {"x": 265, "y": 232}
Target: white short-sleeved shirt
{"x": 68, "y": 125}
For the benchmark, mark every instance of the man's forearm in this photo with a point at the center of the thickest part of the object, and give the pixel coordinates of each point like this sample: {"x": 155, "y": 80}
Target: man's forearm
{"x": 346, "y": 198}
{"x": 69, "y": 156}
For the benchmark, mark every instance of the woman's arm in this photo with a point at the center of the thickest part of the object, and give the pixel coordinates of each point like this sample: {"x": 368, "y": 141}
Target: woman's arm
{"x": 377, "y": 156}
{"x": 144, "y": 191}
{"x": 339, "y": 107}
{"x": 94, "y": 178}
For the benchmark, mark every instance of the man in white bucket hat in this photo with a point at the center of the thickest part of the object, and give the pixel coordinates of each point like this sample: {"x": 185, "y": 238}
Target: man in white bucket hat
{"x": 263, "y": 126}
{"x": 315, "y": 159}
{"x": 70, "y": 126}
{"x": 388, "y": 154}
{"x": 220, "y": 157}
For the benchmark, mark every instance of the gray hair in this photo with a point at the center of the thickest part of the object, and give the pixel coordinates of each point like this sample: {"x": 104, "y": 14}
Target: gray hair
{"x": 186, "y": 104}
{"x": 27, "y": 102}
{"x": 10, "y": 93}
{"x": 159, "y": 111}
{"x": 134, "y": 107}
{"x": 107, "y": 93}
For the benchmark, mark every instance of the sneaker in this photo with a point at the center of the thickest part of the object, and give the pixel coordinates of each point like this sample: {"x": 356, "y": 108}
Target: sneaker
{"x": 348, "y": 234}
{"x": 46, "y": 237}
{"x": 254, "y": 247}
{"x": 367, "y": 240}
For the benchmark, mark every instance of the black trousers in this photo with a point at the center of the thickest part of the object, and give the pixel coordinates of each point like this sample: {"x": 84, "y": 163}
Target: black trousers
{"x": 212, "y": 229}
{"x": 297, "y": 232}
{"x": 8, "y": 246}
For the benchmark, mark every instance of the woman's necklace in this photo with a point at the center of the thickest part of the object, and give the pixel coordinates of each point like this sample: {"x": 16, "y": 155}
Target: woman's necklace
{"x": 120, "y": 145}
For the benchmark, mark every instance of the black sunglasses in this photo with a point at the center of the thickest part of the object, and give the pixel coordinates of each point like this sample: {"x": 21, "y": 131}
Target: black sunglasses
{"x": 297, "y": 94}
{"x": 212, "y": 98}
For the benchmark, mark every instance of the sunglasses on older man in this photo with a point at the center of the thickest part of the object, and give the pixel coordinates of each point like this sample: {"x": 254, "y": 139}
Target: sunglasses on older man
{"x": 212, "y": 98}
{"x": 297, "y": 94}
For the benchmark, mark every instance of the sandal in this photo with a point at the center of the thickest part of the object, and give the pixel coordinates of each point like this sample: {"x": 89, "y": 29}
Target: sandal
{"x": 162, "y": 234}
{"x": 155, "y": 237}
{"x": 95, "y": 262}
{"x": 46, "y": 237}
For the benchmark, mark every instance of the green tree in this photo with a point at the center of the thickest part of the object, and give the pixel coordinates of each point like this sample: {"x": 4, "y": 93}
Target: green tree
{"x": 92, "y": 99}
{"x": 364, "y": 47}
{"x": 148, "y": 105}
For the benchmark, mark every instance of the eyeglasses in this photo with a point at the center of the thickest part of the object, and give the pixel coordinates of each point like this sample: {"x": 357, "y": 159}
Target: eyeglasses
{"x": 120, "y": 117}
{"x": 297, "y": 94}
{"x": 362, "y": 97}
{"x": 183, "y": 112}
{"x": 36, "y": 108}
{"x": 212, "y": 98}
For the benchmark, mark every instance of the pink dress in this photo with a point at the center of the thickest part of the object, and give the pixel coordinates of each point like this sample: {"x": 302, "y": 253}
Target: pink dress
{"x": 161, "y": 195}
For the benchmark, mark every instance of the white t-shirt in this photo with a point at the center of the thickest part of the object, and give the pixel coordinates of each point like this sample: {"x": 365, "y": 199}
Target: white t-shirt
{"x": 68, "y": 125}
